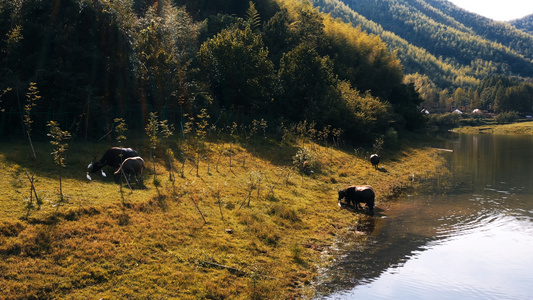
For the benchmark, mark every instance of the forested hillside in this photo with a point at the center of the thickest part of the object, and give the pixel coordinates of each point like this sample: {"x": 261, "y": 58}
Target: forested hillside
{"x": 525, "y": 24}
{"x": 447, "y": 51}
{"x": 90, "y": 62}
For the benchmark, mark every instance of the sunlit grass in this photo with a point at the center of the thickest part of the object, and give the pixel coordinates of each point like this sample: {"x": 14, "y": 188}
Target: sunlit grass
{"x": 525, "y": 128}
{"x": 252, "y": 230}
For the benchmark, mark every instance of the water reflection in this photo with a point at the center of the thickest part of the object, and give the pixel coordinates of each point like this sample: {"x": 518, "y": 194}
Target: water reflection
{"x": 471, "y": 241}
{"x": 494, "y": 160}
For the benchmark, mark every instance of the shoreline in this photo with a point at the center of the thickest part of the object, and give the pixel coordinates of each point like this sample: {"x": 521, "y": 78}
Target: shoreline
{"x": 522, "y": 128}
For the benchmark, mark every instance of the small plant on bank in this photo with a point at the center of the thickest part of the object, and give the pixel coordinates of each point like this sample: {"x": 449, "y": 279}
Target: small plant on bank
{"x": 59, "y": 138}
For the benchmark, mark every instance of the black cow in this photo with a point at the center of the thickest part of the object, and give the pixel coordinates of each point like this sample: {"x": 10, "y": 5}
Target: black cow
{"x": 112, "y": 157}
{"x": 374, "y": 159}
{"x": 131, "y": 166}
{"x": 356, "y": 194}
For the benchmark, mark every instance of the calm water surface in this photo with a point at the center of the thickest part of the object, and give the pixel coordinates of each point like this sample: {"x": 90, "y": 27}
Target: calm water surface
{"x": 466, "y": 237}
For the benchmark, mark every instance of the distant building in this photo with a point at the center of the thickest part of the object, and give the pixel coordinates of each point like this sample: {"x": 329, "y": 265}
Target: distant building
{"x": 457, "y": 112}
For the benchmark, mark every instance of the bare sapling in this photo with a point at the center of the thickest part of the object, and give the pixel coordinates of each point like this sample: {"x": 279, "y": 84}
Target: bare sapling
{"x": 158, "y": 131}
{"x": 378, "y": 144}
{"x": 152, "y": 129}
{"x": 336, "y": 132}
{"x": 198, "y": 208}
{"x": 166, "y": 131}
{"x": 324, "y": 136}
{"x": 263, "y": 125}
{"x": 33, "y": 191}
{"x": 272, "y": 185}
{"x": 120, "y": 130}
{"x": 254, "y": 183}
{"x": 170, "y": 155}
{"x": 31, "y": 97}
{"x": 188, "y": 130}
{"x": 59, "y": 138}
{"x": 220, "y": 152}
{"x": 183, "y": 165}
{"x": 202, "y": 126}
{"x": 217, "y": 190}
{"x": 196, "y": 130}
{"x": 248, "y": 135}
{"x": 232, "y": 130}
{"x": 247, "y": 197}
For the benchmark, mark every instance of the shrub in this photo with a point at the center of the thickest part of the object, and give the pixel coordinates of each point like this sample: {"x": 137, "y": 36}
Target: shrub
{"x": 444, "y": 121}
{"x": 507, "y": 117}
{"x": 305, "y": 160}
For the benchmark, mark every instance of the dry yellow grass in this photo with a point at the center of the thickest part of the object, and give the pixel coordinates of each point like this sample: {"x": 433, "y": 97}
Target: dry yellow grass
{"x": 265, "y": 226}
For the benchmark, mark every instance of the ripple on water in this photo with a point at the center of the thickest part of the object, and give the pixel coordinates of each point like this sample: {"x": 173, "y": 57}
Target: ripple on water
{"x": 485, "y": 257}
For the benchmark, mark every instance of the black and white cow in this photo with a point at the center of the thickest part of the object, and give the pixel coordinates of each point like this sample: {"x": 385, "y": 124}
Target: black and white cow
{"x": 112, "y": 157}
{"x": 356, "y": 194}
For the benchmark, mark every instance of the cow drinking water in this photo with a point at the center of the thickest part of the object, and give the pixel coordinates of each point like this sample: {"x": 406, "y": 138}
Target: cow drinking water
{"x": 131, "y": 166}
{"x": 356, "y": 194}
{"x": 112, "y": 157}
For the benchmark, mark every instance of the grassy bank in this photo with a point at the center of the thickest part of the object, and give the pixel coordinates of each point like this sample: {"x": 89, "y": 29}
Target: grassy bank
{"x": 514, "y": 128}
{"x": 243, "y": 224}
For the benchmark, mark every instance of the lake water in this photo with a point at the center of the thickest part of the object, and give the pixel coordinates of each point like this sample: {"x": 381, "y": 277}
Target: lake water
{"x": 466, "y": 237}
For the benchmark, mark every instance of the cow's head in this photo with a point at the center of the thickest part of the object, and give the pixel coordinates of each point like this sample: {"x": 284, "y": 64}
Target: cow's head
{"x": 342, "y": 194}
{"x": 94, "y": 167}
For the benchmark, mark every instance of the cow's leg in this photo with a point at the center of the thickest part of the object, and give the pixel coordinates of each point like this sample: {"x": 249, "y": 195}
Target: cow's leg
{"x": 353, "y": 204}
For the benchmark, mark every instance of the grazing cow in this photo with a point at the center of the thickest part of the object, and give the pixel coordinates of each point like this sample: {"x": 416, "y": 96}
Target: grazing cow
{"x": 356, "y": 194}
{"x": 112, "y": 157}
{"x": 132, "y": 165}
{"x": 374, "y": 159}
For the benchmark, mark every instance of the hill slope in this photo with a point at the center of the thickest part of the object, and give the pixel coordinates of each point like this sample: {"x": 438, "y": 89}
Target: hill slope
{"x": 525, "y": 24}
{"x": 440, "y": 40}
